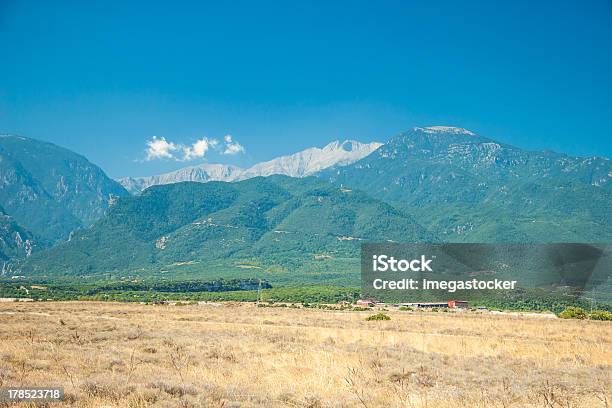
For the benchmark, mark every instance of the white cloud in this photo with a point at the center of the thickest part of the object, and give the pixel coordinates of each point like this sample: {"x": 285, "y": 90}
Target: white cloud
{"x": 159, "y": 148}
{"x": 231, "y": 146}
{"x": 198, "y": 149}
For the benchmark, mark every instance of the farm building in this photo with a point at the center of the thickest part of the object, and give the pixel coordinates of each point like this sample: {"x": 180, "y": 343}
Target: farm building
{"x": 429, "y": 305}
{"x": 451, "y": 304}
{"x": 458, "y": 304}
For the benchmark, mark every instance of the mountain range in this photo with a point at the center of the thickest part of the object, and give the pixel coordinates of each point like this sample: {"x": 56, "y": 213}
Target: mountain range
{"x": 267, "y": 223}
{"x": 468, "y": 188}
{"x": 301, "y": 164}
{"x": 427, "y": 184}
{"x": 51, "y": 191}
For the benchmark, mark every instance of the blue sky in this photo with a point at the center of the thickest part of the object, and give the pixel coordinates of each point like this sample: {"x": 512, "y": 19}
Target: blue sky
{"x": 103, "y": 79}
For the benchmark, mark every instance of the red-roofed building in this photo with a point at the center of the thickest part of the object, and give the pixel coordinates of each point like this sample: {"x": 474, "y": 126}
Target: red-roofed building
{"x": 458, "y": 304}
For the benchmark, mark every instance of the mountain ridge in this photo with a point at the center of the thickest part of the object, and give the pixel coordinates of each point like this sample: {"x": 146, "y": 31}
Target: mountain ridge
{"x": 50, "y": 190}
{"x": 300, "y": 164}
{"x": 456, "y": 180}
{"x": 262, "y": 221}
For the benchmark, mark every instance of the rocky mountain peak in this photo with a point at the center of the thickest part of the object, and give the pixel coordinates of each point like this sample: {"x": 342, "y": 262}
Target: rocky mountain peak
{"x": 300, "y": 164}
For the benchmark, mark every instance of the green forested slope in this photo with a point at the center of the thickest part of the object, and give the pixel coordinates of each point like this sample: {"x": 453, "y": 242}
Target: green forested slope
{"x": 50, "y": 190}
{"x": 467, "y": 188}
{"x": 274, "y": 222}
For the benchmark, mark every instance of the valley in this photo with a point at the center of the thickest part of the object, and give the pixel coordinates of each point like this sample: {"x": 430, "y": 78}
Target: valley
{"x": 319, "y": 204}
{"x": 295, "y": 220}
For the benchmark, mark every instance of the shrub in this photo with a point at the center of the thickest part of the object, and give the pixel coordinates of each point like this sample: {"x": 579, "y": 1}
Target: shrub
{"x": 378, "y": 316}
{"x": 573, "y": 313}
{"x": 600, "y": 315}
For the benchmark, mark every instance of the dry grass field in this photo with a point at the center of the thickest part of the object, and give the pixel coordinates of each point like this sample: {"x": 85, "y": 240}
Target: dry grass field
{"x": 239, "y": 355}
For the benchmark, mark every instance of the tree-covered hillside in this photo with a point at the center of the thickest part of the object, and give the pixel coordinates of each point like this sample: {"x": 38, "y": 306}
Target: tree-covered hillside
{"x": 467, "y": 188}
{"x": 50, "y": 190}
{"x": 274, "y": 222}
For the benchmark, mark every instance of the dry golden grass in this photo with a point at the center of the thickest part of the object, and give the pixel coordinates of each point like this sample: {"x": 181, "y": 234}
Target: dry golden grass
{"x": 239, "y": 355}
